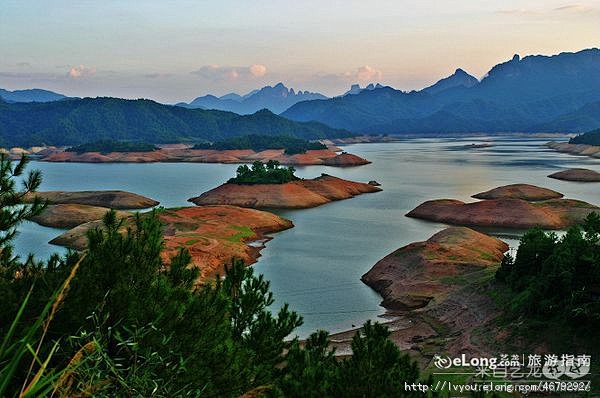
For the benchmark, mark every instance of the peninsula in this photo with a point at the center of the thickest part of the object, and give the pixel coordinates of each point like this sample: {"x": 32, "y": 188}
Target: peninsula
{"x": 240, "y": 149}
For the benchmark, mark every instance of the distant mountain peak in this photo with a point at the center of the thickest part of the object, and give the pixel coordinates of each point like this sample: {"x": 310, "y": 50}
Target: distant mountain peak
{"x": 276, "y": 98}
{"x": 459, "y": 78}
{"x": 31, "y": 95}
{"x": 356, "y": 89}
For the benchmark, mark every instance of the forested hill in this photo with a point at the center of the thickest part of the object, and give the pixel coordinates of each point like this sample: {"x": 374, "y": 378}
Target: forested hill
{"x": 77, "y": 121}
{"x": 589, "y": 138}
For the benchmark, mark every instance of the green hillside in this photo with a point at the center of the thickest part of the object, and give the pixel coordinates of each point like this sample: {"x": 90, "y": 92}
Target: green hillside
{"x": 77, "y": 121}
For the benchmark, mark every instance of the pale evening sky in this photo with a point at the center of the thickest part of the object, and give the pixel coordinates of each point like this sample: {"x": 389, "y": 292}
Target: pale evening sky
{"x": 176, "y": 50}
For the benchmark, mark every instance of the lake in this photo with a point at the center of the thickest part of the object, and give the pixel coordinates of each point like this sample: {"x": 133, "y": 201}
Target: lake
{"x": 317, "y": 265}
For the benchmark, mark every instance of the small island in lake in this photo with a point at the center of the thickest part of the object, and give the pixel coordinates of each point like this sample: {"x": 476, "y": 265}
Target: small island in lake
{"x": 506, "y": 210}
{"x": 121, "y": 200}
{"x": 273, "y": 186}
{"x": 576, "y": 174}
{"x": 70, "y": 215}
{"x": 527, "y": 192}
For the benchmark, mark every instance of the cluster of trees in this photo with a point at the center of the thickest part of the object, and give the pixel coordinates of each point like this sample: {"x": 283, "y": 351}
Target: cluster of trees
{"x": 291, "y": 145}
{"x": 116, "y": 321}
{"x": 107, "y": 146}
{"x": 556, "y": 279}
{"x": 589, "y": 138}
{"x": 77, "y": 121}
{"x": 261, "y": 173}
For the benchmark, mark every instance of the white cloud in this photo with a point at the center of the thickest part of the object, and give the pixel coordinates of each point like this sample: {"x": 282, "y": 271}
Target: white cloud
{"x": 368, "y": 74}
{"x": 576, "y": 8}
{"x": 258, "y": 70}
{"x": 77, "y": 72}
{"x": 571, "y": 8}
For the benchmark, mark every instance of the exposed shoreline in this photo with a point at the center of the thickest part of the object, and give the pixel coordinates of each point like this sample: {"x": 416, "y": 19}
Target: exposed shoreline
{"x": 182, "y": 153}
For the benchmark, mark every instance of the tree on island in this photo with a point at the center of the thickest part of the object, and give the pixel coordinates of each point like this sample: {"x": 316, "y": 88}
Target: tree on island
{"x": 290, "y": 145}
{"x": 261, "y": 173}
{"x": 107, "y": 146}
{"x": 117, "y": 321}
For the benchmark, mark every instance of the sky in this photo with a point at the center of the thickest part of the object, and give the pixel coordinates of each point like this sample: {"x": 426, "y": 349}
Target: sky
{"x": 177, "y": 50}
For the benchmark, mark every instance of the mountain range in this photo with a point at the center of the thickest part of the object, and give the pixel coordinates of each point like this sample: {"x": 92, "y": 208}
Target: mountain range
{"x": 30, "y": 95}
{"x": 77, "y": 121}
{"x": 275, "y": 98}
{"x": 559, "y": 93}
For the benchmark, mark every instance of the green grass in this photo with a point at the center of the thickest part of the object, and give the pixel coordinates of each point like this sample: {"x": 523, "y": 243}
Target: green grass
{"x": 244, "y": 232}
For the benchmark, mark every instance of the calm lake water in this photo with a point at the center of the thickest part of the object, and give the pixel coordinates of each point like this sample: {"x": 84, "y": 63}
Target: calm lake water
{"x": 316, "y": 266}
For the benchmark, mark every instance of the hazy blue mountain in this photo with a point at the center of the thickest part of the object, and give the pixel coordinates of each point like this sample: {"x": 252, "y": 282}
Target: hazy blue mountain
{"x": 77, "y": 121}
{"x": 518, "y": 95}
{"x": 355, "y": 88}
{"x": 583, "y": 119}
{"x": 275, "y": 98}
{"x": 30, "y": 95}
{"x": 232, "y": 96}
{"x": 460, "y": 78}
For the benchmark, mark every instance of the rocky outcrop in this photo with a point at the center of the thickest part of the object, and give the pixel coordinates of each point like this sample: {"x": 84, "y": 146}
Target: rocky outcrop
{"x": 212, "y": 234}
{"x": 575, "y": 149}
{"x": 292, "y": 195}
{"x": 187, "y": 154}
{"x": 121, "y": 200}
{"x": 67, "y": 216}
{"x": 580, "y": 175}
{"x": 520, "y": 191}
{"x": 505, "y": 213}
{"x": 345, "y": 160}
{"x": 438, "y": 292}
{"x": 414, "y": 275}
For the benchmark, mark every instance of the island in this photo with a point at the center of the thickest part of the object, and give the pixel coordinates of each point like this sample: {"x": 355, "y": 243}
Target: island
{"x": 243, "y": 149}
{"x": 271, "y": 186}
{"x": 527, "y": 192}
{"x": 577, "y": 174}
{"x": 70, "y": 215}
{"x": 113, "y": 199}
{"x": 506, "y": 211}
{"x": 212, "y": 234}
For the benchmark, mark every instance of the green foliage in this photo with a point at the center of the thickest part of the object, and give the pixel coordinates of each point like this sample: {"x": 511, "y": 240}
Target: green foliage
{"x": 589, "y": 138}
{"x": 77, "y": 121}
{"x": 554, "y": 279}
{"x": 376, "y": 368}
{"x": 107, "y": 146}
{"x": 13, "y": 211}
{"x": 117, "y": 321}
{"x": 261, "y": 173}
{"x": 291, "y": 145}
